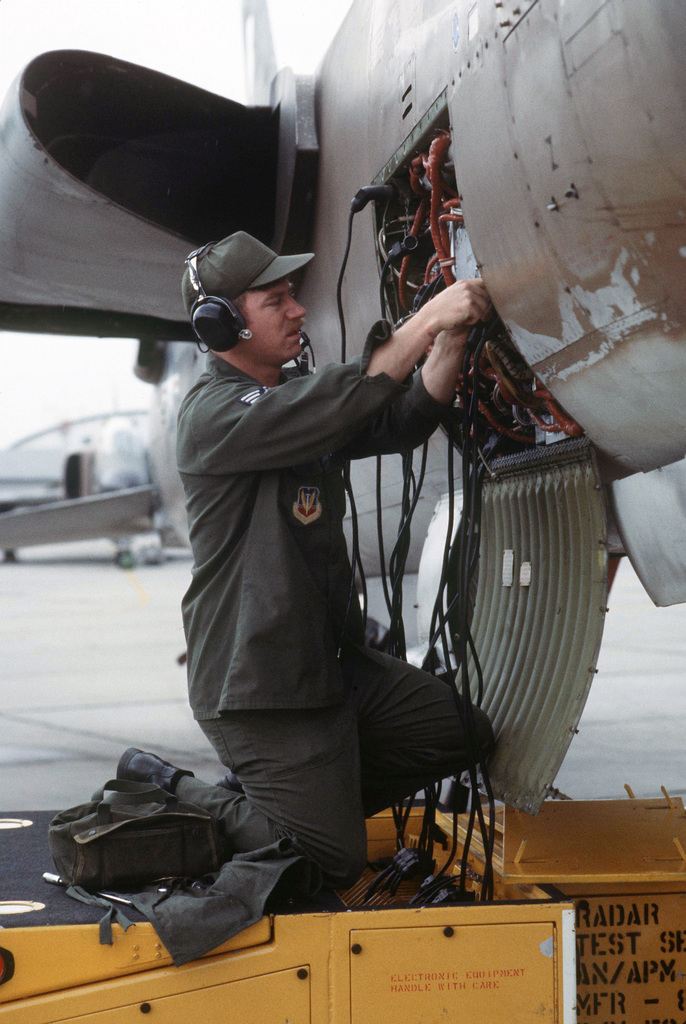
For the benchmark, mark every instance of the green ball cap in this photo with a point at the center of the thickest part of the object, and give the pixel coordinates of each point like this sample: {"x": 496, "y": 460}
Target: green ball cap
{"x": 236, "y": 264}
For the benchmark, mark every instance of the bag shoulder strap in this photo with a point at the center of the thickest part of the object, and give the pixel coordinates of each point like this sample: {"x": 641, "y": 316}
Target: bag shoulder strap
{"x": 112, "y": 911}
{"x": 135, "y": 792}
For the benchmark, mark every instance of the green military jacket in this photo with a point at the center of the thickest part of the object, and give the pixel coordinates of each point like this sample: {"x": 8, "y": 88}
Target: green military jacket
{"x": 262, "y": 473}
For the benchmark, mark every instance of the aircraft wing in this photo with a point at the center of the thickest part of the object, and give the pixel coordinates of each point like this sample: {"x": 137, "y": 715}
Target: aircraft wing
{"x": 135, "y": 169}
{"x": 117, "y": 514}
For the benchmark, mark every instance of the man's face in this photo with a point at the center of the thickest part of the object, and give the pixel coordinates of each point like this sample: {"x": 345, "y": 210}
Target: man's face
{"x": 275, "y": 319}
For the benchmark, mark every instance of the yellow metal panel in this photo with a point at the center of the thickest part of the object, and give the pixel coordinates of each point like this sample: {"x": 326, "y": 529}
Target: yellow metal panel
{"x": 298, "y": 936}
{"x": 597, "y": 841}
{"x": 71, "y": 955}
{"x": 282, "y": 998}
{"x": 476, "y": 973}
{"x": 367, "y": 986}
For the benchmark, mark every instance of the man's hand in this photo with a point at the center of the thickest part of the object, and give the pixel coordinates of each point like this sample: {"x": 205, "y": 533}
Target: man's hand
{"x": 441, "y": 328}
{"x": 456, "y": 309}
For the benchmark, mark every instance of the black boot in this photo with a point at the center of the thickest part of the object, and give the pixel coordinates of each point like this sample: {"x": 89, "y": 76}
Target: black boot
{"x": 139, "y": 766}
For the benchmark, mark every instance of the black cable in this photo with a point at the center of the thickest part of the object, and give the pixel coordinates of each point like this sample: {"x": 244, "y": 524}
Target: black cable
{"x": 426, "y": 841}
{"x": 438, "y": 619}
{"x": 401, "y": 813}
{"x": 427, "y": 291}
{"x": 355, "y": 560}
{"x": 380, "y": 538}
{"x": 365, "y": 195}
{"x": 396, "y": 644}
{"x": 339, "y": 284}
{"x": 401, "y": 549}
{"x": 473, "y": 476}
{"x": 468, "y": 554}
{"x": 382, "y": 291}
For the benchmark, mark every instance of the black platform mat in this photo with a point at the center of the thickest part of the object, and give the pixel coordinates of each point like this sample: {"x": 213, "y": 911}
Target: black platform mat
{"x": 25, "y": 855}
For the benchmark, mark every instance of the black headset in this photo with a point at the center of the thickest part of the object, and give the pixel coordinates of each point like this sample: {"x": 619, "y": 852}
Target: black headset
{"x": 217, "y": 322}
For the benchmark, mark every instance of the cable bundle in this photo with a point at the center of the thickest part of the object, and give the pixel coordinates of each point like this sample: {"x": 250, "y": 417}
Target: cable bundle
{"x": 460, "y": 562}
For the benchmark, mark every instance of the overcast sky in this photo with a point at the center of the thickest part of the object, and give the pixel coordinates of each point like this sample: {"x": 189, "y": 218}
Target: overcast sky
{"x": 45, "y": 380}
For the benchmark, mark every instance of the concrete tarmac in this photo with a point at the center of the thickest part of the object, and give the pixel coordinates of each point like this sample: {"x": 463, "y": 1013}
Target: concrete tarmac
{"x": 89, "y": 666}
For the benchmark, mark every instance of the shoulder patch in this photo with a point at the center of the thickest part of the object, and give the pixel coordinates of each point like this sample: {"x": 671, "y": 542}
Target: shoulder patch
{"x": 251, "y": 396}
{"x": 308, "y": 506}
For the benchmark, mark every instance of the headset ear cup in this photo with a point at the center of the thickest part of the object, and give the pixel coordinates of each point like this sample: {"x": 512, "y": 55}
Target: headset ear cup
{"x": 217, "y": 323}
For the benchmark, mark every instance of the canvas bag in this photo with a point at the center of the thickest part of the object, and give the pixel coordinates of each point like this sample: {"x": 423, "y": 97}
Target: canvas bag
{"x": 130, "y": 834}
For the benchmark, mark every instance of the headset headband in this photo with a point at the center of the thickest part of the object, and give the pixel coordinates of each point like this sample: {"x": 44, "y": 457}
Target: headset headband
{"x": 192, "y": 264}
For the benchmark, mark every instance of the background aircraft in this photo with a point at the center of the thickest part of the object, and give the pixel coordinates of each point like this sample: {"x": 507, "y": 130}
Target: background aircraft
{"x": 83, "y": 479}
{"x": 538, "y": 143}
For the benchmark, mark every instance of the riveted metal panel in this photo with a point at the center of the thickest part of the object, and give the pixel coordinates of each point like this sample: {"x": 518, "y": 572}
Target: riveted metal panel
{"x": 538, "y": 637}
{"x": 464, "y": 972}
{"x": 568, "y": 133}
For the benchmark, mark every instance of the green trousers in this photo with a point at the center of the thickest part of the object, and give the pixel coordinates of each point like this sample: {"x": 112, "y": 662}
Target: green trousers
{"x": 317, "y": 774}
